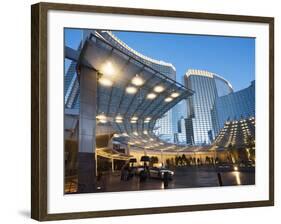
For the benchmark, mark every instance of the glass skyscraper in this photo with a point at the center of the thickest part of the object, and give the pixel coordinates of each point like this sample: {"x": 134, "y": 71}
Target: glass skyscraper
{"x": 207, "y": 87}
{"x": 235, "y": 106}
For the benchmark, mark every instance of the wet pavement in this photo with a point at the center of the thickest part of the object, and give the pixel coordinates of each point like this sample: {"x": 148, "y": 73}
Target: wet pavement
{"x": 185, "y": 177}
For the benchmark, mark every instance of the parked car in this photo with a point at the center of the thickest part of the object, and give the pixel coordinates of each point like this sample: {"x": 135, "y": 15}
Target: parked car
{"x": 227, "y": 167}
{"x": 139, "y": 169}
{"x": 156, "y": 172}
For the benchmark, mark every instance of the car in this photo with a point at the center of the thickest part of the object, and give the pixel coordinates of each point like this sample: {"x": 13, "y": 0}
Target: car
{"x": 159, "y": 173}
{"x": 139, "y": 169}
{"x": 227, "y": 167}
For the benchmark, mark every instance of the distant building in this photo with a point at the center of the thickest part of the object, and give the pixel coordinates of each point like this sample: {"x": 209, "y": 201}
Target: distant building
{"x": 181, "y": 131}
{"x": 208, "y": 87}
{"x": 236, "y": 133}
{"x": 235, "y": 106}
{"x": 179, "y": 113}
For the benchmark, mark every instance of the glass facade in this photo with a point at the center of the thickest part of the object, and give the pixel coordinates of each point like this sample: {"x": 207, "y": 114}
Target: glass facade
{"x": 208, "y": 87}
{"x": 234, "y": 106}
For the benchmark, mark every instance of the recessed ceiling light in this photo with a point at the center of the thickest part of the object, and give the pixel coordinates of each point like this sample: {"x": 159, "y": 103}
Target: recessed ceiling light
{"x": 131, "y": 89}
{"x": 101, "y": 117}
{"x": 107, "y": 69}
{"x": 175, "y": 94}
{"x": 158, "y": 89}
{"x": 168, "y": 99}
{"x": 105, "y": 81}
{"x": 134, "y": 118}
{"x": 137, "y": 80}
{"x": 151, "y": 96}
{"x": 119, "y": 117}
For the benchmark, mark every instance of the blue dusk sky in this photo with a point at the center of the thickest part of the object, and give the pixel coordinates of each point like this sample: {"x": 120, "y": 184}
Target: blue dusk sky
{"x": 230, "y": 57}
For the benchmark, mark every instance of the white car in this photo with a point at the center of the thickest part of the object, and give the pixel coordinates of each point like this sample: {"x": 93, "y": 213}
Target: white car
{"x": 156, "y": 172}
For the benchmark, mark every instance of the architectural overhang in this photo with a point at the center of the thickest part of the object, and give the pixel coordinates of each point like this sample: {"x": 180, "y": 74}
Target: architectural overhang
{"x": 131, "y": 96}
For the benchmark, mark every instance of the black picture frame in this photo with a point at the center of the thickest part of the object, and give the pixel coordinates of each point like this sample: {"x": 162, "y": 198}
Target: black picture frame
{"x": 39, "y": 107}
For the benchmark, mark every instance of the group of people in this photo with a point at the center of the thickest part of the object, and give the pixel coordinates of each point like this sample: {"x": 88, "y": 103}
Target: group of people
{"x": 127, "y": 172}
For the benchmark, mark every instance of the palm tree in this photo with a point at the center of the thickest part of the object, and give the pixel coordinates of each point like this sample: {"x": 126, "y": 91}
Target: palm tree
{"x": 184, "y": 160}
{"x": 250, "y": 144}
{"x": 232, "y": 152}
{"x": 153, "y": 159}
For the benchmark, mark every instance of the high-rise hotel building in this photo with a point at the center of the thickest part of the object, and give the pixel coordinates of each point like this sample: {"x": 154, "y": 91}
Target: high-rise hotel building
{"x": 238, "y": 105}
{"x": 207, "y": 87}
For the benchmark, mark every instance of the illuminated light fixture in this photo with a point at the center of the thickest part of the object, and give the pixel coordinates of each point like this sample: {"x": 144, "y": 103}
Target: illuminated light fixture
{"x": 168, "y": 99}
{"x": 147, "y": 120}
{"x": 133, "y": 122}
{"x": 105, "y": 82}
{"x": 175, "y": 94}
{"x": 131, "y": 89}
{"x": 103, "y": 121}
{"x": 108, "y": 69}
{"x": 137, "y": 80}
{"x": 158, "y": 89}
{"x": 118, "y": 117}
{"x": 134, "y": 118}
{"x": 151, "y": 96}
{"x": 101, "y": 117}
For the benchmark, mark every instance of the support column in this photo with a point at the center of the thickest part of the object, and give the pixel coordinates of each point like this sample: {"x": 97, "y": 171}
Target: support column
{"x": 87, "y": 131}
{"x": 162, "y": 161}
{"x": 112, "y": 165}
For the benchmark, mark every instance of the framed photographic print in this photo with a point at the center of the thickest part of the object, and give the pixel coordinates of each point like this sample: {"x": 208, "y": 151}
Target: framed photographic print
{"x": 139, "y": 111}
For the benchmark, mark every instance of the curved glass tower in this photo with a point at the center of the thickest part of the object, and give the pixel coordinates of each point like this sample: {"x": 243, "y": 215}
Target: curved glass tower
{"x": 207, "y": 87}
{"x": 234, "y": 106}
